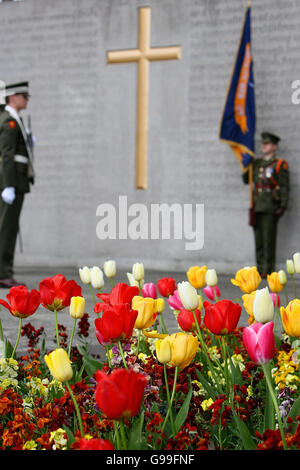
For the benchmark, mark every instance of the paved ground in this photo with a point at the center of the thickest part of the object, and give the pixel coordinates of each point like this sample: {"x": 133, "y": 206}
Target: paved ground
{"x": 45, "y": 318}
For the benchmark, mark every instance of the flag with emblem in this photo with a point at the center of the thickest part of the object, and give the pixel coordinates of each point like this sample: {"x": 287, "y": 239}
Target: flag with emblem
{"x": 237, "y": 126}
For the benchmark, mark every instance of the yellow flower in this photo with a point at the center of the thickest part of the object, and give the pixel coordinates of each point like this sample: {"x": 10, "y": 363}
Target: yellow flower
{"x": 183, "y": 349}
{"x": 196, "y": 276}
{"x": 248, "y": 300}
{"x": 206, "y": 404}
{"x": 247, "y": 279}
{"x": 290, "y": 316}
{"x": 147, "y": 309}
{"x": 59, "y": 365}
{"x": 29, "y": 445}
{"x": 77, "y": 307}
{"x": 274, "y": 282}
{"x": 163, "y": 350}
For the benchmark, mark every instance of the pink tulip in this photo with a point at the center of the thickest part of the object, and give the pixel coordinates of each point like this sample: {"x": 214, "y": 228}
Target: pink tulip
{"x": 174, "y": 301}
{"x": 149, "y": 290}
{"x": 210, "y": 292}
{"x": 259, "y": 341}
{"x": 276, "y": 299}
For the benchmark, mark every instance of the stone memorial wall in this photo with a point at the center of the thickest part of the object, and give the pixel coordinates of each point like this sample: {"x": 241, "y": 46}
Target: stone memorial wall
{"x": 83, "y": 114}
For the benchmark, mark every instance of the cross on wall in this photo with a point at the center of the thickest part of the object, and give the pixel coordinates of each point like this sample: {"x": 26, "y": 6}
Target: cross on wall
{"x": 142, "y": 56}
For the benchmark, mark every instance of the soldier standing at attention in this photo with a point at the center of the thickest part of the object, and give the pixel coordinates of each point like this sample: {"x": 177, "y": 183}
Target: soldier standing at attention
{"x": 270, "y": 198}
{"x": 16, "y": 174}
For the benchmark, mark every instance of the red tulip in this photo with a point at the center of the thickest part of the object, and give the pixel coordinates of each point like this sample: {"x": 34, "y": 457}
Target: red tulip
{"x": 119, "y": 394}
{"x": 56, "y": 292}
{"x": 186, "y": 319}
{"x": 95, "y": 444}
{"x": 22, "y": 302}
{"x": 259, "y": 341}
{"x": 222, "y": 317}
{"x": 121, "y": 293}
{"x": 166, "y": 286}
{"x": 116, "y": 324}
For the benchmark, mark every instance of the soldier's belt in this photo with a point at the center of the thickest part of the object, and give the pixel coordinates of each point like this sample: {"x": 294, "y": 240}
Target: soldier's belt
{"x": 21, "y": 159}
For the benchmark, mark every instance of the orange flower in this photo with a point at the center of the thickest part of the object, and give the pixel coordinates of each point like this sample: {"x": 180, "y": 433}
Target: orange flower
{"x": 274, "y": 282}
{"x": 248, "y": 300}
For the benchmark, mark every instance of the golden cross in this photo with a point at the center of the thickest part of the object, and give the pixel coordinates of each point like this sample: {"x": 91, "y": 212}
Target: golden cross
{"x": 143, "y": 55}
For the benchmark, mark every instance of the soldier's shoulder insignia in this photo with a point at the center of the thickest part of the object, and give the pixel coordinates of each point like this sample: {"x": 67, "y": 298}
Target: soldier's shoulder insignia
{"x": 12, "y": 124}
{"x": 281, "y": 164}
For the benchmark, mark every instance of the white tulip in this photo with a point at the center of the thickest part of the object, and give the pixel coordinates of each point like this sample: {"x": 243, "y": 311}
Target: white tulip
{"x": 290, "y": 266}
{"x": 296, "y": 259}
{"x": 85, "y": 275}
{"x": 282, "y": 277}
{"x": 263, "y": 307}
{"x": 188, "y": 295}
{"x": 211, "y": 277}
{"x": 138, "y": 271}
{"x": 97, "y": 280}
{"x": 110, "y": 268}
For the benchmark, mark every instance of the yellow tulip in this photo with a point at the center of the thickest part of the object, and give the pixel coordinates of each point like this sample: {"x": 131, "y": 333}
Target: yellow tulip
{"x": 163, "y": 350}
{"x": 290, "y": 316}
{"x": 160, "y": 305}
{"x": 248, "y": 300}
{"x": 77, "y": 307}
{"x": 274, "y": 282}
{"x": 183, "y": 349}
{"x": 147, "y": 309}
{"x": 196, "y": 276}
{"x": 247, "y": 279}
{"x": 59, "y": 365}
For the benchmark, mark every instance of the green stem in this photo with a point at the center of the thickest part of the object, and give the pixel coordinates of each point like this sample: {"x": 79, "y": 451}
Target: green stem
{"x": 108, "y": 356}
{"x": 286, "y": 295}
{"x": 224, "y": 354}
{"x": 294, "y": 286}
{"x": 18, "y": 338}
{"x": 1, "y": 331}
{"x": 72, "y": 336}
{"x": 172, "y": 398}
{"x": 123, "y": 436}
{"x": 56, "y": 328}
{"x": 164, "y": 329}
{"x": 117, "y": 436}
{"x": 269, "y": 383}
{"x": 168, "y": 399}
{"x": 138, "y": 343}
{"x": 76, "y": 408}
{"x": 93, "y": 293}
{"x": 204, "y": 348}
{"x": 122, "y": 354}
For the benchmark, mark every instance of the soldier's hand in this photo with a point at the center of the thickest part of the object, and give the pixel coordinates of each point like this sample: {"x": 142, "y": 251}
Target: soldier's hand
{"x": 280, "y": 211}
{"x": 8, "y": 194}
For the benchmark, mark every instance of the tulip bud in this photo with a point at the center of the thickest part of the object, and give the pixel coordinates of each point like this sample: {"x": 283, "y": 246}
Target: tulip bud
{"x": 85, "y": 275}
{"x": 77, "y": 307}
{"x": 188, "y": 295}
{"x": 296, "y": 259}
{"x": 263, "y": 307}
{"x": 132, "y": 280}
{"x": 282, "y": 277}
{"x": 109, "y": 268}
{"x": 163, "y": 350}
{"x": 138, "y": 271}
{"x": 149, "y": 290}
{"x": 211, "y": 277}
{"x": 160, "y": 305}
{"x": 59, "y": 365}
{"x": 97, "y": 280}
{"x": 290, "y": 266}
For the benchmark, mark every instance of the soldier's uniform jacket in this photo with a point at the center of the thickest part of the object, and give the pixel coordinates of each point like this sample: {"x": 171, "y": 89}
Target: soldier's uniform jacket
{"x": 15, "y": 156}
{"x": 270, "y": 184}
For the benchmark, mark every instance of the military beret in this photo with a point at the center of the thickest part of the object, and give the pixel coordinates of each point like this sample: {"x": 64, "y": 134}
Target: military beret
{"x": 267, "y": 137}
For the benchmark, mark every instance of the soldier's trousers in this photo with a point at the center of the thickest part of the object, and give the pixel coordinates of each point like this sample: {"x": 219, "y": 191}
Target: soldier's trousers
{"x": 9, "y": 227}
{"x": 265, "y": 232}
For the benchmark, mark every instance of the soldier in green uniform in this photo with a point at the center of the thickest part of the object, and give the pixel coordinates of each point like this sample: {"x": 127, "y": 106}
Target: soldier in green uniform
{"x": 16, "y": 174}
{"x": 270, "y": 200}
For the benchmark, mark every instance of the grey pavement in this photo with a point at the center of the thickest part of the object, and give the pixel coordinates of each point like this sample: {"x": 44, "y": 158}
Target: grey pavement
{"x": 45, "y": 318}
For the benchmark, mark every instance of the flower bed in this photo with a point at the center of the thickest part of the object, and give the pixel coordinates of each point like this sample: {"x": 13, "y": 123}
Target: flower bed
{"x": 211, "y": 385}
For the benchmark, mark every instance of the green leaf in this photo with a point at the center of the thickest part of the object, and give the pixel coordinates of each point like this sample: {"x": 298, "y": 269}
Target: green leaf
{"x": 235, "y": 370}
{"x": 294, "y": 412}
{"x": 70, "y": 436}
{"x": 183, "y": 412}
{"x": 269, "y": 415}
{"x": 244, "y": 433}
{"x": 212, "y": 393}
{"x": 135, "y": 436}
